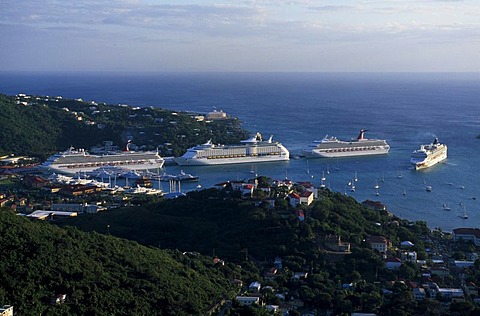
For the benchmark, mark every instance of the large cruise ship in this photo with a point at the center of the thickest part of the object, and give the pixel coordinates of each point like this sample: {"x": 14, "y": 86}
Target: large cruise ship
{"x": 254, "y": 149}
{"x": 429, "y": 155}
{"x": 73, "y": 161}
{"x": 331, "y": 147}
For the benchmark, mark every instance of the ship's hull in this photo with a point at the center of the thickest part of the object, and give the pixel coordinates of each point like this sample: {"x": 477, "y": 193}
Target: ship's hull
{"x": 73, "y": 164}
{"x": 347, "y": 152}
{"x": 76, "y": 170}
{"x": 224, "y": 161}
{"x": 429, "y": 161}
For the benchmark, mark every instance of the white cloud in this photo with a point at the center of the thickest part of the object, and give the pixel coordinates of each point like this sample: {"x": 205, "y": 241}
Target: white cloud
{"x": 272, "y": 33}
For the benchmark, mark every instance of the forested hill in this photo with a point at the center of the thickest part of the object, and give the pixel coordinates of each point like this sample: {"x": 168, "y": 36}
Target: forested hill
{"x": 100, "y": 274}
{"x": 39, "y": 126}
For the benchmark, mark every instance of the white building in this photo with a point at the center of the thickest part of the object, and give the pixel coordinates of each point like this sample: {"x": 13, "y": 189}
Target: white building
{"x": 464, "y": 234}
{"x": 378, "y": 243}
{"x": 248, "y": 300}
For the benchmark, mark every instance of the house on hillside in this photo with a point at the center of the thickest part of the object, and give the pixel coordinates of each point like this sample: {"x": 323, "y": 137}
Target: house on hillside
{"x": 306, "y": 197}
{"x": 378, "y": 243}
{"x": 466, "y": 234}
{"x": 392, "y": 263}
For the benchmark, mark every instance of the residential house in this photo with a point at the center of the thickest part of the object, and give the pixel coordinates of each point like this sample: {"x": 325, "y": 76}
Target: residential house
{"x": 449, "y": 293}
{"x": 309, "y": 187}
{"x": 464, "y": 234}
{"x": 306, "y": 197}
{"x": 248, "y": 300}
{"x": 247, "y": 189}
{"x": 378, "y": 243}
{"x": 392, "y": 263}
{"x": 217, "y": 115}
{"x": 254, "y": 287}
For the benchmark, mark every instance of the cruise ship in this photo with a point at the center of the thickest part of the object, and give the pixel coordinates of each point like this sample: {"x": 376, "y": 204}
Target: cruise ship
{"x": 74, "y": 161}
{"x": 331, "y": 147}
{"x": 429, "y": 155}
{"x": 251, "y": 150}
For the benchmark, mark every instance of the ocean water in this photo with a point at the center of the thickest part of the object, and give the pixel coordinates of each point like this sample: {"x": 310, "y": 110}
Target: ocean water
{"x": 405, "y": 109}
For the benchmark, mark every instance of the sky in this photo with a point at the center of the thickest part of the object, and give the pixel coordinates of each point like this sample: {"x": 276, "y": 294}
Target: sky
{"x": 243, "y": 35}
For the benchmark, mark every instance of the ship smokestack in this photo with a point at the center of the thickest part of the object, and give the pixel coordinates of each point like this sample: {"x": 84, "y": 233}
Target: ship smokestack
{"x": 127, "y": 145}
{"x": 360, "y": 136}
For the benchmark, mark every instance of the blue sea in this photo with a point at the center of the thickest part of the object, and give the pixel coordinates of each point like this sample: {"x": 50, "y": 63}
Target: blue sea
{"x": 407, "y": 109}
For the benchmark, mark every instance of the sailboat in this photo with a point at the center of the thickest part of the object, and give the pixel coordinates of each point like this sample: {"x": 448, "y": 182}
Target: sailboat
{"x": 428, "y": 188}
{"x": 322, "y": 183}
{"x": 352, "y": 186}
{"x": 464, "y": 214}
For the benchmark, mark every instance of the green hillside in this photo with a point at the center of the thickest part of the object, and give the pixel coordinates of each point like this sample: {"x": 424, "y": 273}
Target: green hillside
{"x": 206, "y": 220}
{"x": 100, "y": 274}
{"x": 39, "y": 126}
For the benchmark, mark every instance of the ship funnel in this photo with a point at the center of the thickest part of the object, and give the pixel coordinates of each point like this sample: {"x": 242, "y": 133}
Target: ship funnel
{"x": 360, "y": 136}
{"x": 127, "y": 146}
{"x": 270, "y": 139}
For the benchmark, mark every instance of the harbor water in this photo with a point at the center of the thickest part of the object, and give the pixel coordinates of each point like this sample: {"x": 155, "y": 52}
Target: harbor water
{"x": 296, "y": 108}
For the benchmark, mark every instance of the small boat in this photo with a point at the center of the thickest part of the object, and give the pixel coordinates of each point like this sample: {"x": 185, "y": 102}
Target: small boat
{"x": 404, "y": 192}
{"x": 428, "y": 188}
{"x": 182, "y": 176}
{"x": 352, "y": 186}
{"x": 446, "y": 207}
{"x": 464, "y": 214}
{"x": 376, "y": 186}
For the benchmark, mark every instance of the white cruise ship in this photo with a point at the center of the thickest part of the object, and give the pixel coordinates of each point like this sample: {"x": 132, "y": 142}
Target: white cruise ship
{"x": 254, "y": 149}
{"x": 429, "y": 155}
{"x": 331, "y": 147}
{"x": 73, "y": 161}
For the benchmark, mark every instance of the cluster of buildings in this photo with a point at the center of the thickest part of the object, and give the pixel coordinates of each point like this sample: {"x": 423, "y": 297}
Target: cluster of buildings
{"x": 438, "y": 268}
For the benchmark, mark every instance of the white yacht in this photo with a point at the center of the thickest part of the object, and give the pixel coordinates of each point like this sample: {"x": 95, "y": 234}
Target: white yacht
{"x": 254, "y": 149}
{"x": 429, "y": 155}
{"x": 331, "y": 147}
{"x": 73, "y": 161}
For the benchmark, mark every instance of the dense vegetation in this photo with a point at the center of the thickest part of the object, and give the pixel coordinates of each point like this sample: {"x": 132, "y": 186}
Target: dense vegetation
{"x": 100, "y": 274}
{"x": 41, "y": 126}
{"x": 210, "y": 222}
{"x": 207, "y": 220}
